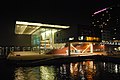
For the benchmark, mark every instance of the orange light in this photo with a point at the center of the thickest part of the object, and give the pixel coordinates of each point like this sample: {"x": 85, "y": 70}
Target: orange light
{"x": 102, "y": 45}
{"x": 92, "y": 38}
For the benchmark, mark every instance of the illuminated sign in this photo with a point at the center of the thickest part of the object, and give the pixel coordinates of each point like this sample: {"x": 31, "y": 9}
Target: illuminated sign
{"x": 87, "y": 38}
{"x": 92, "y": 39}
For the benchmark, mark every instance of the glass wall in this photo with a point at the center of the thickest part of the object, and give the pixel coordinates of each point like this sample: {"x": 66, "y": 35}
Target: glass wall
{"x": 43, "y": 39}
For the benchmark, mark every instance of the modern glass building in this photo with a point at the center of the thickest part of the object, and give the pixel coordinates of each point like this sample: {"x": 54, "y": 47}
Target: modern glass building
{"x": 47, "y": 38}
{"x": 42, "y": 35}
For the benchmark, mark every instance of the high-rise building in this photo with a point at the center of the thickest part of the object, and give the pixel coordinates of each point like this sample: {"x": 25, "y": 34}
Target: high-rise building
{"x": 108, "y": 21}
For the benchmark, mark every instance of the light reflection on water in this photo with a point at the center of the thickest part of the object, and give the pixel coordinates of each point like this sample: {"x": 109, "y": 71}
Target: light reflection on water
{"x": 86, "y": 70}
{"x": 83, "y": 70}
{"x": 35, "y": 73}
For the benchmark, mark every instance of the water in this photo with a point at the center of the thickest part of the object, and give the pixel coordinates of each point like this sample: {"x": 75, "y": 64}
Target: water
{"x": 85, "y": 70}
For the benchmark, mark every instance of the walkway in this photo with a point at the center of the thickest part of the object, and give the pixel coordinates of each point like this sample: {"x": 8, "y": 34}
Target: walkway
{"x": 28, "y": 58}
{"x": 29, "y": 55}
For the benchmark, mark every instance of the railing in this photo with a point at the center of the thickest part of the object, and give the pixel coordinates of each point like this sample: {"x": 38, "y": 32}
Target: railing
{"x": 4, "y": 50}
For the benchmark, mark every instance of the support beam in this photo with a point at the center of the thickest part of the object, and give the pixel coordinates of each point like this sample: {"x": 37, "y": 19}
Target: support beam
{"x": 86, "y": 48}
{"x": 91, "y": 47}
{"x": 69, "y": 49}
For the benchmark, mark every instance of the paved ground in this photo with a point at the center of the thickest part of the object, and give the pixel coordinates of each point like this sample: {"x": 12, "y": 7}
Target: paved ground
{"x": 28, "y": 55}
{"x": 28, "y": 58}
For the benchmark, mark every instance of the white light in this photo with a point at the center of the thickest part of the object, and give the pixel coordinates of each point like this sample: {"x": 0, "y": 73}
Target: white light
{"x": 116, "y": 69}
{"x": 28, "y": 23}
{"x": 92, "y": 22}
{"x": 71, "y": 38}
{"x": 35, "y": 25}
{"x": 97, "y": 21}
{"x": 80, "y": 38}
{"x": 105, "y": 23}
{"x": 55, "y": 26}
{"x": 40, "y": 24}
{"x": 106, "y": 11}
{"x": 113, "y": 38}
{"x": 102, "y": 14}
{"x": 118, "y": 43}
{"x": 101, "y": 30}
{"x": 47, "y": 33}
{"x": 104, "y": 64}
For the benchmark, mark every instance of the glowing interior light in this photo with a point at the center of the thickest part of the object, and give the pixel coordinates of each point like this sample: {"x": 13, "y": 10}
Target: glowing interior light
{"x": 29, "y": 27}
{"x": 113, "y": 38}
{"x": 100, "y": 11}
{"x": 71, "y": 38}
{"x": 33, "y": 30}
{"x": 47, "y": 33}
{"x": 40, "y": 24}
{"x": 56, "y": 26}
{"x": 28, "y": 23}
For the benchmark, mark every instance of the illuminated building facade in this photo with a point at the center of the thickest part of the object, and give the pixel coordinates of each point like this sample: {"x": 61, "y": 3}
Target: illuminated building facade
{"x": 82, "y": 38}
{"x": 47, "y": 37}
{"x": 108, "y": 21}
{"x": 79, "y": 33}
{"x": 42, "y": 35}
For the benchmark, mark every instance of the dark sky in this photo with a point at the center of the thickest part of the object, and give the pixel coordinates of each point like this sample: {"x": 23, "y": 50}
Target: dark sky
{"x": 69, "y": 11}
{"x": 48, "y": 11}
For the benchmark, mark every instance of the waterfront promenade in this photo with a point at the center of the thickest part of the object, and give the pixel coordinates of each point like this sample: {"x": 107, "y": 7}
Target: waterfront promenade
{"x": 33, "y": 58}
{"x": 29, "y": 55}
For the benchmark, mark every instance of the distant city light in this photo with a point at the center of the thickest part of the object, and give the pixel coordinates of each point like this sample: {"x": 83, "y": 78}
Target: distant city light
{"x": 71, "y": 38}
{"x": 100, "y": 11}
{"x": 113, "y": 38}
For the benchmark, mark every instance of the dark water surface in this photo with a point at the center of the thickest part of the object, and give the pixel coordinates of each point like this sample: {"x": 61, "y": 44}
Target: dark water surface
{"x": 84, "y": 70}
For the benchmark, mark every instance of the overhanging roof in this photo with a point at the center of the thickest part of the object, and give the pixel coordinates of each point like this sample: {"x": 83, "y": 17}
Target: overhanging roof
{"x": 22, "y": 27}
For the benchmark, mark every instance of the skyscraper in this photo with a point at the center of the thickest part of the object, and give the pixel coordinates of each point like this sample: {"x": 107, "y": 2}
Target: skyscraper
{"x": 108, "y": 21}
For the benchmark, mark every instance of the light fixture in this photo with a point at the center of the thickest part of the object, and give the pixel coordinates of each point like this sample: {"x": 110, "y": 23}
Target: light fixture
{"x": 30, "y": 27}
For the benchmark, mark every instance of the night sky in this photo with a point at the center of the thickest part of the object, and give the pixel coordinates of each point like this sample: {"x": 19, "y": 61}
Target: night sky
{"x": 54, "y": 11}
{"x": 67, "y": 11}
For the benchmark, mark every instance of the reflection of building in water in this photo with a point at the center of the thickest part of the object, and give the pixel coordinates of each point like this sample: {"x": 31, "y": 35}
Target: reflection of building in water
{"x": 35, "y": 73}
{"x": 110, "y": 67}
{"x": 83, "y": 70}
{"x": 107, "y": 70}
{"x": 48, "y": 38}
{"x": 80, "y": 70}
{"x": 47, "y": 73}
{"x": 27, "y": 73}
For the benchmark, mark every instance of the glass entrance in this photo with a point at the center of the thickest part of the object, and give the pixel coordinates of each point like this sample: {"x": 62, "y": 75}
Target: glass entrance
{"x": 43, "y": 40}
